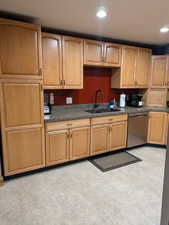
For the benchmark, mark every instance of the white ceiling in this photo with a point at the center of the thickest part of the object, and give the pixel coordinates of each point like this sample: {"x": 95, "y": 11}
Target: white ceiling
{"x": 131, "y": 20}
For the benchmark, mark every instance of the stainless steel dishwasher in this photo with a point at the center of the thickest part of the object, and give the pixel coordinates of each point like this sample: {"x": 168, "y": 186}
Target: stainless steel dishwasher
{"x": 137, "y": 129}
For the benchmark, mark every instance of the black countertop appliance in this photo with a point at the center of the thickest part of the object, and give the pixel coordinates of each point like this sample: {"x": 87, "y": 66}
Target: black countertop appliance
{"x": 134, "y": 100}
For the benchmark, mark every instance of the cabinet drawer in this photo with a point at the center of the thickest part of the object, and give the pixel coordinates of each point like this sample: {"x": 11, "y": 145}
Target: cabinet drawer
{"x": 67, "y": 124}
{"x": 108, "y": 119}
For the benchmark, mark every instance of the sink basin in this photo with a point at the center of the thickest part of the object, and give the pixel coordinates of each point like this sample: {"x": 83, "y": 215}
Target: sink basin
{"x": 102, "y": 110}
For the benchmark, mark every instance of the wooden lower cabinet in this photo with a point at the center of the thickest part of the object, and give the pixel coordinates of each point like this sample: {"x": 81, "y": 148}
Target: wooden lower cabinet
{"x": 118, "y": 135}
{"x": 57, "y": 147}
{"x": 24, "y": 150}
{"x": 157, "y": 128}
{"x": 68, "y": 140}
{"x": 99, "y": 139}
{"x": 79, "y": 142}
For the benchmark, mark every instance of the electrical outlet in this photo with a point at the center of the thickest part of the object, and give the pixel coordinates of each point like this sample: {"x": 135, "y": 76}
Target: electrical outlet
{"x": 69, "y": 100}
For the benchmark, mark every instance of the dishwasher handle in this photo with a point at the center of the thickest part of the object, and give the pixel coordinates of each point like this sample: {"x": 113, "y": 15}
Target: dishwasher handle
{"x": 138, "y": 115}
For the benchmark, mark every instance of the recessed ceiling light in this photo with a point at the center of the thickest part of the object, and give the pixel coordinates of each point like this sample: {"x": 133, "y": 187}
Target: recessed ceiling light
{"x": 101, "y": 13}
{"x": 164, "y": 29}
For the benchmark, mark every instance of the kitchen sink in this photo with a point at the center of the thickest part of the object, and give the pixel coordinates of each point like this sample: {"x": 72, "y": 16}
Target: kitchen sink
{"x": 102, "y": 110}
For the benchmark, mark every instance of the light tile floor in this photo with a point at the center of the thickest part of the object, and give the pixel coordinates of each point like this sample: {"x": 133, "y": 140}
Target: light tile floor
{"x": 80, "y": 194}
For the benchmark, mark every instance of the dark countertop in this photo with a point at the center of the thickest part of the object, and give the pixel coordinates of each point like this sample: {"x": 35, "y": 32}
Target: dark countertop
{"x": 73, "y": 112}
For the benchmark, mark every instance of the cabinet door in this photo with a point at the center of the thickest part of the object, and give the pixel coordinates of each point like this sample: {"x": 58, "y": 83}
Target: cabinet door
{"x": 112, "y": 55}
{"x": 99, "y": 139}
{"x": 166, "y": 136}
{"x": 73, "y": 62}
{"x": 167, "y": 73}
{"x": 57, "y": 147}
{"x": 129, "y": 56}
{"x": 93, "y": 52}
{"x": 156, "y": 97}
{"x": 20, "y": 49}
{"x": 80, "y": 142}
{"x": 118, "y": 134}
{"x": 52, "y": 60}
{"x": 159, "y": 71}
{"x": 22, "y": 104}
{"x": 143, "y": 68}
{"x": 157, "y": 128}
{"x": 24, "y": 150}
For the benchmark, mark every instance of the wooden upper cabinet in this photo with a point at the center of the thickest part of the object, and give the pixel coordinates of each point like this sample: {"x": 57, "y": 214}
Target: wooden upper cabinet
{"x": 20, "y": 50}
{"x": 52, "y": 60}
{"x": 128, "y": 67}
{"x": 93, "y": 52}
{"x": 97, "y": 53}
{"x": 159, "y": 71}
{"x": 112, "y": 55}
{"x": 22, "y": 104}
{"x": 143, "y": 65}
{"x": 156, "y": 97}
{"x": 158, "y": 126}
{"x": 72, "y": 62}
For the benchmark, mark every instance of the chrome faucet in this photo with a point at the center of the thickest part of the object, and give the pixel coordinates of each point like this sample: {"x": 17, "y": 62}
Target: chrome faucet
{"x": 98, "y": 92}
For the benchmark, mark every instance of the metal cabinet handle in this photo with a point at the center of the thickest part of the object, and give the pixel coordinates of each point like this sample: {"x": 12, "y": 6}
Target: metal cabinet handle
{"x": 69, "y": 124}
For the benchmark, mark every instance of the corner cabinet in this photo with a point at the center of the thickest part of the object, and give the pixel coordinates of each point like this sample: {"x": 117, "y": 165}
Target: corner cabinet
{"x": 157, "y": 128}
{"x": 160, "y": 72}
{"x": 20, "y": 50}
{"x": 62, "y": 62}
{"x": 97, "y": 53}
{"x": 156, "y": 97}
{"x": 22, "y": 126}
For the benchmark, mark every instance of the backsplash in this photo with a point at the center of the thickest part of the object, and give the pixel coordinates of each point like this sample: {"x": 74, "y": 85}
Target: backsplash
{"x": 94, "y": 79}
